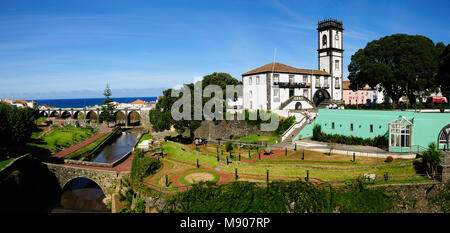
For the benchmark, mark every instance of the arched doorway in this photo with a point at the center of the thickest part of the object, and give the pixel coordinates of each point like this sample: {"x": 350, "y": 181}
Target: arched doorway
{"x": 444, "y": 137}
{"x": 298, "y": 106}
{"x": 83, "y": 194}
{"x": 320, "y": 95}
{"x": 121, "y": 118}
{"x": 134, "y": 119}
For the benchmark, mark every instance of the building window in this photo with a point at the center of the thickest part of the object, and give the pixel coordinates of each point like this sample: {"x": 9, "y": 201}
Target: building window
{"x": 371, "y": 128}
{"x": 324, "y": 40}
{"x": 336, "y": 65}
{"x": 305, "y": 93}
{"x": 276, "y": 78}
{"x": 400, "y": 133}
{"x": 332, "y": 125}
{"x": 317, "y": 81}
{"x": 250, "y": 81}
{"x": 251, "y": 103}
{"x": 326, "y": 82}
{"x": 337, "y": 39}
{"x": 291, "y": 78}
{"x": 337, "y": 83}
{"x": 276, "y": 95}
{"x": 257, "y": 80}
{"x": 351, "y": 127}
{"x": 305, "y": 78}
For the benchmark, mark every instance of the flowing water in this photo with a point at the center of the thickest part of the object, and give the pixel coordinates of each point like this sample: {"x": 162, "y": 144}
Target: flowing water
{"x": 84, "y": 195}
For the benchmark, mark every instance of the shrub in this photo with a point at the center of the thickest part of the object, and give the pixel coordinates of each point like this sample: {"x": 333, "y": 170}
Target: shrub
{"x": 318, "y": 135}
{"x": 229, "y": 146}
{"x": 389, "y": 159}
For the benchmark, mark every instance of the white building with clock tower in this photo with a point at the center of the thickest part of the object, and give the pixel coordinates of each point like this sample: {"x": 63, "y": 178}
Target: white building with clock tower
{"x": 282, "y": 88}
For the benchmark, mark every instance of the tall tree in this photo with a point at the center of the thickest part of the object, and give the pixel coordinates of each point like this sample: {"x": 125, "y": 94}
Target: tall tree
{"x": 161, "y": 117}
{"x": 107, "y": 114}
{"x": 402, "y": 65}
{"x": 443, "y": 78}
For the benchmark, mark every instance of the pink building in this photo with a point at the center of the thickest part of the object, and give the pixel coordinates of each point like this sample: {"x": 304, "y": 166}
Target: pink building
{"x": 358, "y": 97}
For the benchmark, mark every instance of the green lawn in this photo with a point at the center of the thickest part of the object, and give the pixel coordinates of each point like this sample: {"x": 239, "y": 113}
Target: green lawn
{"x": 256, "y": 138}
{"x": 62, "y": 136}
{"x": 330, "y": 174}
{"x": 175, "y": 150}
{"x": 5, "y": 162}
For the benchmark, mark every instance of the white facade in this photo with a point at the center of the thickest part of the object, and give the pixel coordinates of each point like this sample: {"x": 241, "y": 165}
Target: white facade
{"x": 256, "y": 94}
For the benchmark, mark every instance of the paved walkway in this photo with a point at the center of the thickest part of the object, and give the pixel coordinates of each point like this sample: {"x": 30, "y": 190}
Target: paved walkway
{"x": 63, "y": 153}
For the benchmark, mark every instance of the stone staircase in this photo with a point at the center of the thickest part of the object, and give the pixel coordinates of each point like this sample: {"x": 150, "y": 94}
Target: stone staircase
{"x": 288, "y": 136}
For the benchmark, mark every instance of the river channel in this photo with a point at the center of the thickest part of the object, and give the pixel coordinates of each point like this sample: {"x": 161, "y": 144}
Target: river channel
{"x": 84, "y": 195}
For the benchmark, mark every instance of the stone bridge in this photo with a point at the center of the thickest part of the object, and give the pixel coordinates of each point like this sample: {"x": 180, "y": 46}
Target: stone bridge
{"x": 106, "y": 179}
{"x": 127, "y": 116}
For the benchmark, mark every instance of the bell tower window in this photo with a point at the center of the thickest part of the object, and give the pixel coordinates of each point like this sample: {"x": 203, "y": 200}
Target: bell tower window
{"x": 324, "y": 40}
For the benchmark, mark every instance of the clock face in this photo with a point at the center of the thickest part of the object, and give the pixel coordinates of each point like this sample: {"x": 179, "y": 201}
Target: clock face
{"x": 337, "y": 36}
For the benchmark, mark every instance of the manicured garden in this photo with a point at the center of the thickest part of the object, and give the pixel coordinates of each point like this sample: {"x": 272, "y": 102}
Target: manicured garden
{"x": 180, "y": 166}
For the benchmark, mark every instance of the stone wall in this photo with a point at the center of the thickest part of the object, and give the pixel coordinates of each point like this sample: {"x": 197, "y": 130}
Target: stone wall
{"x": 415, "y": 198}
{"x": 226, "y": 129}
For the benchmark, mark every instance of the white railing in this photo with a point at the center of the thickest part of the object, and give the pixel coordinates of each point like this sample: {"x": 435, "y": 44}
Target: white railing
{"x": 291, "y": 129}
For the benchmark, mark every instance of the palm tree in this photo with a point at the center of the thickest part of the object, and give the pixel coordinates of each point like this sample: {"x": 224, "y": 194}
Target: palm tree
{"x": 431, "y": 159}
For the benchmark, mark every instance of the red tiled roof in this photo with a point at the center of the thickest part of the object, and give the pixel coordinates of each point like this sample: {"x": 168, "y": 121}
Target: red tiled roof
{"x": 281, "y": 68}
{"x": 138, "y": 102}
{"x": 22, "y": 101}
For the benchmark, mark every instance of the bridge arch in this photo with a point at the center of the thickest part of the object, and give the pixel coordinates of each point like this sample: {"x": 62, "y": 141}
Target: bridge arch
{"x": 43, "y": 114}
{"x": 55, "y": 114}
{"x": 67, "y": 185}
{"x": 92, "y": 115}
{"x": 121, "y": 118}
{"x": 134, "y": 118}
{"x": 66, "y": 114}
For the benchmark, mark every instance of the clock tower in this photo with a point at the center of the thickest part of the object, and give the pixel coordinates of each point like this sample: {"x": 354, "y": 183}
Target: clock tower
{"x": 330, "y": 51}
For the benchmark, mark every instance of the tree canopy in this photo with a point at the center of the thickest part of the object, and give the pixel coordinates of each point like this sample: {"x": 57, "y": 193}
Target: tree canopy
{"x": 400, "y": 64}
{"x": 16, "y": 126}
{"x": 443, "y": 77}
{"x": 161, "y": 117}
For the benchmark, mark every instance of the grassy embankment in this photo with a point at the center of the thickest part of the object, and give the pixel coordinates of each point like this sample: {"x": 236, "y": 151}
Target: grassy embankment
{"x": 62, "y": 138}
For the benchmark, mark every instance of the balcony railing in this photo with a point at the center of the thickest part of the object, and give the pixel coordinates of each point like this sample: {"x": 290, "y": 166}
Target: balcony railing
{"x": 292, "y": 84}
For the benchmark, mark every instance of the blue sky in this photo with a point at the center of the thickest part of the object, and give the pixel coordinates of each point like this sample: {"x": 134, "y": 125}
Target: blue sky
{"x": 71, "y": 49}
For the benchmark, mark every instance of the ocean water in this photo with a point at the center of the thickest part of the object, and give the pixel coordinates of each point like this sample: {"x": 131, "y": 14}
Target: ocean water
{"x": 80, "y": 103}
